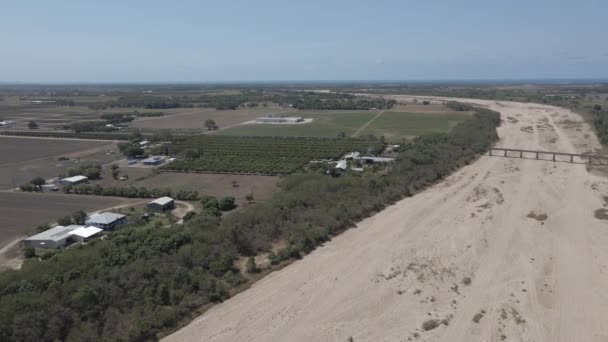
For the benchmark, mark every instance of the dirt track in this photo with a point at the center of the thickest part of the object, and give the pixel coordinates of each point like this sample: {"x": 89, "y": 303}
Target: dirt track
{"x": 531, "y": 280}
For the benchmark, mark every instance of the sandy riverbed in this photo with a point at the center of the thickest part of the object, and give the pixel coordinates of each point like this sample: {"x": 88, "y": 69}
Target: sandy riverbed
{"x": 530, "y": 279}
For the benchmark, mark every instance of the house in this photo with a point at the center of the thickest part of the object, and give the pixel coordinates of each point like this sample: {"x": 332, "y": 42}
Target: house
{"x": 84, "y": 234}
{"x": 106, "y": 221}
{"x": 153, "y": 161}
{"x": 56, "y": 237}
{"x": 162, "y": 204}
{"x": 279, "y": 119}
{"x": 73, "y": 180}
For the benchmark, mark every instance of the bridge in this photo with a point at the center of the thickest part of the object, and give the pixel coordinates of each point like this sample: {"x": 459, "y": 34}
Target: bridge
{"x": 539, "y": 155}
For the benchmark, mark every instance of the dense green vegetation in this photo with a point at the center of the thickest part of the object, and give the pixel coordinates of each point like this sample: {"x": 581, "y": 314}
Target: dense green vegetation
{"x": 141, "y": 280}
{"x": 259, "y": 155}
{"x": 599, "y": 118}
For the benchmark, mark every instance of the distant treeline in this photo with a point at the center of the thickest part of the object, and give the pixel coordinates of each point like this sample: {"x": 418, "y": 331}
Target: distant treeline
{"x": 52, "y": 134}
{"x": 110, "y": 122}
{"x": 131, "y": 191}
{"x": 299, "y": 100}
{"x": 141, "y": 281}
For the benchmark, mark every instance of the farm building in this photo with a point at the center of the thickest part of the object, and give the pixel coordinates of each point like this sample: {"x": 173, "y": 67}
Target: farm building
{"x": 153, "y": 161}
{"x": 162, "y": 204}
{"x": 374, "y": 160}
{"x": 106, "y": 221}
{"x": 49, "y": 188}
{"x": 73, "y": 180}
{"x": 56, "y": 237}
{"x": 279, "y": 119}
{"x": 83, "y": 234}
{"x": 342, "y": 165}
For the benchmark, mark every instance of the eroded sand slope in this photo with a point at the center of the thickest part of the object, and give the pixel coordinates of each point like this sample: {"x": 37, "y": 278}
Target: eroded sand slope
{"x": 531, "y": 280}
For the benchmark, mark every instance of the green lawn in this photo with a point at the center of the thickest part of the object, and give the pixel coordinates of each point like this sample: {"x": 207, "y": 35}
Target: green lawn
{"x": 326, "y": 124}
{"x": 393, "y": 125}
{"x": 397, "y": 125}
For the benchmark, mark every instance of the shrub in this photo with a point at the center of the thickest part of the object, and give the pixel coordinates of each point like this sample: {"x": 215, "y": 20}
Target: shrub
{"x": 430, "y": 324}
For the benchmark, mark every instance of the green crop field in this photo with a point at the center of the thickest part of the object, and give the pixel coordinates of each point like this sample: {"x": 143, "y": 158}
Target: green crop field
{"x": 260, "y": 155}
{"x": 328, "y": 124}
{"x": 325, "y": 124}
{"x": 395, "y": 126}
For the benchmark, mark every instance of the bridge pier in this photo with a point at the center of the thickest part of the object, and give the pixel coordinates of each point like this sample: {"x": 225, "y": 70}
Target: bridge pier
{"x": 536, "y": 155}
{"x": 521, "y": 154}
{"x": 572, "y": 158}
{"x": 554, "y": 157}
{"x": 505, "y": 153}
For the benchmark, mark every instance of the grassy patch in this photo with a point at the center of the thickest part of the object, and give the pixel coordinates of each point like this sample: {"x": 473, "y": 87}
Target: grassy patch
{"x": 398, "y": 125}
{"x": 325, "y": 124}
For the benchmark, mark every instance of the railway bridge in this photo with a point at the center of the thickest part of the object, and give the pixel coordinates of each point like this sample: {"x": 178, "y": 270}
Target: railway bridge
{"x": 541, "y": 155}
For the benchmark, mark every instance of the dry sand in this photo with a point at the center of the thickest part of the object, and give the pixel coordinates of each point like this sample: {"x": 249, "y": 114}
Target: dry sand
{"x": 530, "y": 280}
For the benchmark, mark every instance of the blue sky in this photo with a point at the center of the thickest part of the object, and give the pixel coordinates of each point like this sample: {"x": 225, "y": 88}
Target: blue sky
{"x": 199, "y": 41}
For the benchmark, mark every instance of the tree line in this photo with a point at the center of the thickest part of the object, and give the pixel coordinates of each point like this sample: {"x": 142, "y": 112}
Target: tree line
{"x": 140, "y": 281}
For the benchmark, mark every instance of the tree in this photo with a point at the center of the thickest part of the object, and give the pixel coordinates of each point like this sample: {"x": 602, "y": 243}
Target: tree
{"x": 115, "y": 171}
{"x": 38, "y": 182}
{"x": 210, "y": 124}
{"x": 341, "y": 135}
{"x": 79, "y": 217}
{"x": 29, "y": 252}
{"x": 227, "y": 203}
{"x": 32, "y": 125}
{"x": 130, "y": 150}
{"x": 191, "y": 154}
{"x": 64, "y": 221}
{"x": 251, "y": 266}
{"x": 249, "y": 197}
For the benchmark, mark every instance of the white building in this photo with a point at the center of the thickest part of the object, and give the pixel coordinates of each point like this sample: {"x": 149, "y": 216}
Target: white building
{"x": 162, "y": 204}
{"x": 7, "y": 123}
{"x": 106, "y": 221}
{"x": 56, "y": 237}
{"x": 83, "y": 234}
{"x": 279, "y": 119}
{"x": 73, "y": 180}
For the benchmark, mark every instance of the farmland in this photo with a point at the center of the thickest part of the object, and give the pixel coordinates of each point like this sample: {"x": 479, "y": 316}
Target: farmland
{"x": 395, "y": 126}
{"x": 325, "y": 124}
{"x": 404, "y": 121}
{"x": 189, "y": 119}
{"x": 25, "y": 158}
{"x": 260, "y": 155}
{"x": 219, "y": 185}
{"x": 21, "y": 212}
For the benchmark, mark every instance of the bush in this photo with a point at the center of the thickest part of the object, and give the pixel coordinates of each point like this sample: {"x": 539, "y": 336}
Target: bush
{"x": 251, "y": 265}
{"x": 430, "y": 324}
{"x": 227, "y": 203}
{"x": 29, "y": 252}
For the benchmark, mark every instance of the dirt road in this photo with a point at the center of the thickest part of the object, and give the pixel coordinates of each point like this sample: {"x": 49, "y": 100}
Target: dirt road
{"x": 464, "y": 253}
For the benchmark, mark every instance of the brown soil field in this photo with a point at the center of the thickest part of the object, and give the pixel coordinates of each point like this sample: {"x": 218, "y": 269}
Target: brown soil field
{"x": 22, "y": 212}
{"x": 218, "y": 185}
{"x": 460, "y": 261}
{"x": 26, "y": 158}
{"x": 194, "y": 118}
